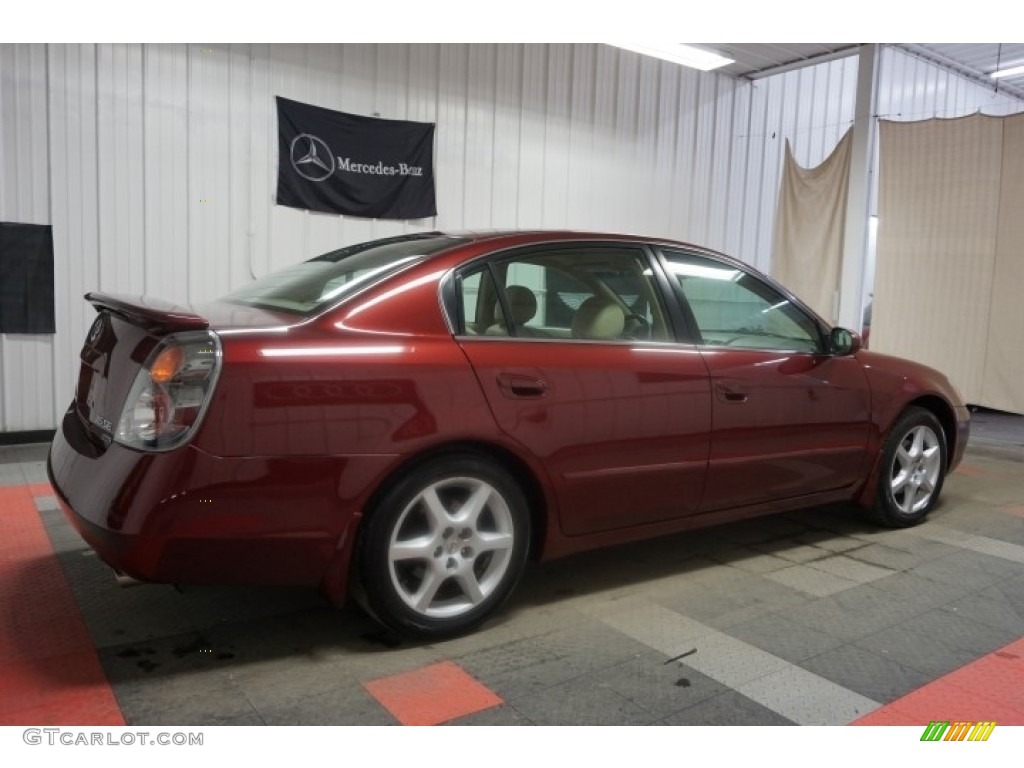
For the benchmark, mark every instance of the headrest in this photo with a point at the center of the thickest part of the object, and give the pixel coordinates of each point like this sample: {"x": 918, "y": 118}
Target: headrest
{"x": 598, "y": 318}
{"x": 522, "y": 303}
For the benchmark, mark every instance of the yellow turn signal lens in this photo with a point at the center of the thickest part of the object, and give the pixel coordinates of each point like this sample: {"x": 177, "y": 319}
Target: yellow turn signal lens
{"x": 166, "y": 365}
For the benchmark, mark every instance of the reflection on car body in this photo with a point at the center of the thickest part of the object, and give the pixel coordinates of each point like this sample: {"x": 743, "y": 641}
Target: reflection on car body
{"x": 410, "y": 420}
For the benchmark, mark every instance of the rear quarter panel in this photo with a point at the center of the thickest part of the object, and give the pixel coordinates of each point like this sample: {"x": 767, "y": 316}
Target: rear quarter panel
{"x": 376, "y": 383}
{"x": 311, "y": 419}
{"x": 380, "y": 375}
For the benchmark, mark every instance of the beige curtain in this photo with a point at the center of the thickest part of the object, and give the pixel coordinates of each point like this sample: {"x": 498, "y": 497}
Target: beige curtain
{"x": 809, "y": 220}
{"x": 1002, "y": 385}
{"x": 949, "y": 267}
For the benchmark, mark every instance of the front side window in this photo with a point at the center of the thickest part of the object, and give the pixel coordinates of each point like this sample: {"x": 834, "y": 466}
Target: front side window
{"x": 313, "y": 285}
{"x": 735, "y": 309}
{"x": 598, "y": 293}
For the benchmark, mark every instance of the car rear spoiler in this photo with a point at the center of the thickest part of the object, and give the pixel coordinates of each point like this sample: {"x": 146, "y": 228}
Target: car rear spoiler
{"x": 151, "y": 314}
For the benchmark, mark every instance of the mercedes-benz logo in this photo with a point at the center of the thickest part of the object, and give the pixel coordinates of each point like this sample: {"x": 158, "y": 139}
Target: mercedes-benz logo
{"x": 311, "y": 157}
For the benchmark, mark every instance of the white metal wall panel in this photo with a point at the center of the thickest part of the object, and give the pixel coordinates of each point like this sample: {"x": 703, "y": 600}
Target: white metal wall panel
{"x": 663, "y": 95}
{"x": 685, "y": 149}
{"x": 910, "y": 88}
{"x": 209, "y": 172}
{"x": 169, "y": 153}
{"x": 24, "y": 184}
{"x": 119, "y": 162}
{"x": 479, "y": 132}
{"x": 507, "y": 112}
{"x": 530, "y": 201}
{"x": 165, "y": 178}
{"x": 603, "y": 148}
{"x": 579, "y": 205}
{"x": 736, "y": 240}
{"x": 721, "y": 213}
{"x": 156, "y": 164}
{"x": 556, "y": 135}
{"x": 26, "y": 361}
{"x": 73, "y": 170}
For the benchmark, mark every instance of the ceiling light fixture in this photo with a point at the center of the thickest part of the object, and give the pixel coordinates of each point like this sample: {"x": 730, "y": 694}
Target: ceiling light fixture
{"x": 1008, "y": 72}
{"x": 679, "y": 53}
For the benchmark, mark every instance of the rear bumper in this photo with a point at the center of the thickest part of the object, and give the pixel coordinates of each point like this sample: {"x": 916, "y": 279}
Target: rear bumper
{"x": 187, "y": 517}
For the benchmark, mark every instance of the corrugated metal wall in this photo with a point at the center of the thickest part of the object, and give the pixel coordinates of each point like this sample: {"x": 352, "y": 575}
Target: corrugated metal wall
{"x": 156, "y": 164}
{"x": 910, "y": 88}
{"x": 26, "y": 361}
{"x": 161, "y": 167}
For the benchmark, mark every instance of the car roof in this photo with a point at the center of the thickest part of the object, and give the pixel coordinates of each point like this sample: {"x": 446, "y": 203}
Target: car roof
{"x": 509, "y": 238}
{"x": 531, "y": 235}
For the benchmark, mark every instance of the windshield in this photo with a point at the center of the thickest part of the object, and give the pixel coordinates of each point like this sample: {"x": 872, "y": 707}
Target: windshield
{"x": 316, "y": 284}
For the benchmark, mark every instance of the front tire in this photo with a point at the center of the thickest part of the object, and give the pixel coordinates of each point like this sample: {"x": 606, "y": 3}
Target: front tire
{"x": 912, "y": 469}
{"x": 444, "y": 547}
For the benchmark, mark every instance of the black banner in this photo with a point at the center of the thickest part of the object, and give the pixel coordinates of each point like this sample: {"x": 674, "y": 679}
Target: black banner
{"x": 360, "y": 166}
{"x": 26, "y": 278}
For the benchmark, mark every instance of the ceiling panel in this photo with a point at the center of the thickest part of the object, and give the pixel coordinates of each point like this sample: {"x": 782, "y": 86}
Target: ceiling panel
{"x": 976, "y": 61}
{"x": 760, "y": 59}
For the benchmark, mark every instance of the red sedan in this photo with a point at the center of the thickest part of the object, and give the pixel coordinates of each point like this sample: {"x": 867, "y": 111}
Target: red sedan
{"x": 412, "y": 419}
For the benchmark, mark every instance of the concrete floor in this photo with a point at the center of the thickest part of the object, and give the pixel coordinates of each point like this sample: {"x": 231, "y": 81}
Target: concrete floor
{"x": 816, "y": 617}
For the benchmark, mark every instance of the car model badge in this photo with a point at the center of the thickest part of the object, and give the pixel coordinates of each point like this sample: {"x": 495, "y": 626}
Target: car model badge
{"x": 101, "y": 422}
{"x": 311, "y": 157}
{"x": 94, "y": 331}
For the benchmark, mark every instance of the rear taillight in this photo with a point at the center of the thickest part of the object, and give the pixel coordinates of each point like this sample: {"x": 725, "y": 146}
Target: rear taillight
{"x": 171, "y": 392}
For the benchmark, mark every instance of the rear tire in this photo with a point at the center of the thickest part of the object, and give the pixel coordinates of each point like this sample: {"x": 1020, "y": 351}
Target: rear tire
{"x": 444, "y": 547}
{"x": 911, "y": 470}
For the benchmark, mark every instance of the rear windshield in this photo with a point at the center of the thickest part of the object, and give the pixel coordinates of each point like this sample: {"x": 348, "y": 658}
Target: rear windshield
{"x": 325, "y": 280}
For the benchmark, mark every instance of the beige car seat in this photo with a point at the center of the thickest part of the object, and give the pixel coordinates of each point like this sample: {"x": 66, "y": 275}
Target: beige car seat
{"x": 598, "y": 318}
{"x": 523, "y": 304}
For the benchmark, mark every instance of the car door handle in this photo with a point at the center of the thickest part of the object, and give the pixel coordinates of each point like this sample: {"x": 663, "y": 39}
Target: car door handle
{"x": 520, "y": 385}
{"x": 729, "y": 394}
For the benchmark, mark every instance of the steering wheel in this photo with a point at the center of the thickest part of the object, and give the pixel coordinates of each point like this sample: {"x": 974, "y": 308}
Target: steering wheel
{"x": 637, "y": 327}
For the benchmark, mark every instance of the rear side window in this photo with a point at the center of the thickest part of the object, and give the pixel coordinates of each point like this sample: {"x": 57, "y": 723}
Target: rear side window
{"x": 735, "y": 309}
{"x": 325, "y": 280}
{"x": 597, "y": 293}
{"x": 477, "y": 301}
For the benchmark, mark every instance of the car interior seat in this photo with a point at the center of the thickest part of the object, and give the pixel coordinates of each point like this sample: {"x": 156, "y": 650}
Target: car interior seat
{"x": 522, "y": 303}
{"x": 598, "y": 318}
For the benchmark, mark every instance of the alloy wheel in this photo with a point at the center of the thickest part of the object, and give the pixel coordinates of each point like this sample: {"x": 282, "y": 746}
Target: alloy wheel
{"x": 451, "y": 547}
{"x": 916, "y": 469}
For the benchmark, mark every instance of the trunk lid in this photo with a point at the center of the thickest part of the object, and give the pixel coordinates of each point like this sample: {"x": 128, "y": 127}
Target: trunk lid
{"x": 149, "y": 314}
{"x": 116, "y": 347}
{"x": 126, "y": 331}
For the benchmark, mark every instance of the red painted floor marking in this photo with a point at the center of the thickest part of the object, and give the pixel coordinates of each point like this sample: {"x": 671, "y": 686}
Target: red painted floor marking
{"x": 991, "y": 688}
{"x": 432, "y": 694}
{"x": 971, "y": 471}
{"x": 49, "y": 671}
{"x": 1013, "y": 509}
{"x": 40, "y": 489}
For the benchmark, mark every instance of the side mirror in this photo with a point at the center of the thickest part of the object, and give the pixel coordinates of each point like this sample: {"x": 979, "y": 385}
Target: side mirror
{"x": 845, "y": 342}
